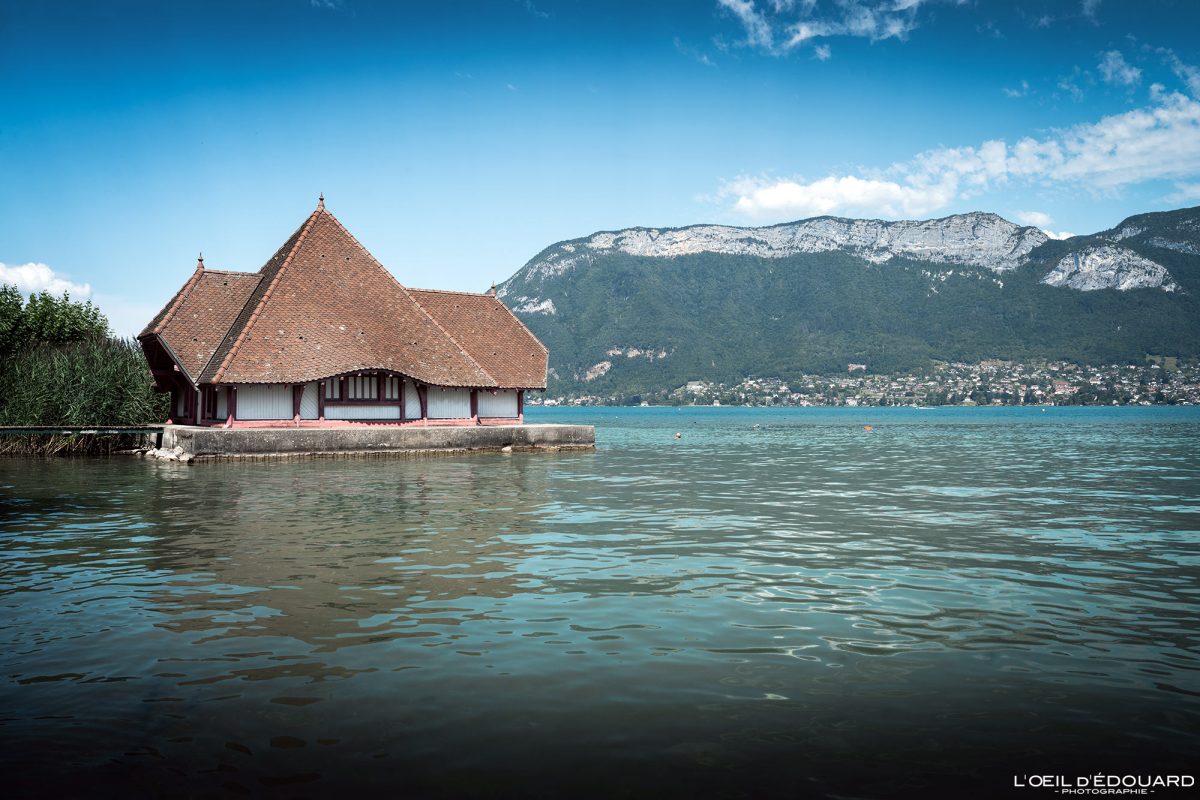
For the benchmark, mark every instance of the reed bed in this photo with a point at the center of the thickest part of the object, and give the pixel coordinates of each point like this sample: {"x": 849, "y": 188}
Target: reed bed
{"x": 99, "y": 381}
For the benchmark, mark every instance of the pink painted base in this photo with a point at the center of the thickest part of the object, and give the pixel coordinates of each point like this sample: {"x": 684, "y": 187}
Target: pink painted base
{"x": 371, "y": 423}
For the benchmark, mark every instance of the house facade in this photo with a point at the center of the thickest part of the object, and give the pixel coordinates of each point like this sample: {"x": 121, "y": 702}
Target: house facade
{"x": 323, "y": 335}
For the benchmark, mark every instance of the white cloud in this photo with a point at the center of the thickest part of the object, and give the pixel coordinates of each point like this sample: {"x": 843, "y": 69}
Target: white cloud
{"x": 34, "y": 277}
{"x": 822, "y": 52}
{"x": 1070, "y": 83}
{"x": 758, "y": 30}
{"x": 1157, "y": 142}
{"x": 1058, "y": 234}
{"x": 1187, "y": 73}
{"x": 801, "y": 32}
{"x": 1116, "y": 70}
{"x": 1037, "y": 218}
{"x": 1161, "y": 141}
{"x": 759, "y": 197}
{"x": 1184, "y": 193}
{"x": 779, "y": 26}
{"x": 1088, "y": 8}
{"x": 1018, "y": 92}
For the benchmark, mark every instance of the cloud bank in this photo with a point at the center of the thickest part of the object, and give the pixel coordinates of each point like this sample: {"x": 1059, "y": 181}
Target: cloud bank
{"x": 1160, "y": 141}
{"x": 34, "y": 277}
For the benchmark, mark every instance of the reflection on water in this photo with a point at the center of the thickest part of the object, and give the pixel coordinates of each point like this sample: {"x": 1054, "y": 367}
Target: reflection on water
{"x": 778, "y": 603}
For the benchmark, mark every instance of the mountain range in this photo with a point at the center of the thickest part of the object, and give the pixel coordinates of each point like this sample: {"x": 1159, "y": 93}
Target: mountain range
{"x": 646, "y": 309}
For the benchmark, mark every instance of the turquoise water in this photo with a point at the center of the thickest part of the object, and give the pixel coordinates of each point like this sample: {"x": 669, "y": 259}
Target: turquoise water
{"x": 777, "y": 603}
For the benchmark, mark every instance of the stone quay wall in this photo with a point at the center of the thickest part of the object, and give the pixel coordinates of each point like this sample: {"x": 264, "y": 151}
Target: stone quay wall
{"x": 191, "y": 443}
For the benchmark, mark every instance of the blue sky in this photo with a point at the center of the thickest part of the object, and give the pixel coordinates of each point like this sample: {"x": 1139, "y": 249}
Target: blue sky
{"x": 458, "y": 139}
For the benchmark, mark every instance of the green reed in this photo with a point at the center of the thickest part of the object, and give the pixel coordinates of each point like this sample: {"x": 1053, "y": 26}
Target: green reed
{"x": 99, "y": 381}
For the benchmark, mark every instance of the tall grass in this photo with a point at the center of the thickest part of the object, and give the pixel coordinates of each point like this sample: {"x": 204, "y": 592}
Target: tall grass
{"x": 100, "y": 381}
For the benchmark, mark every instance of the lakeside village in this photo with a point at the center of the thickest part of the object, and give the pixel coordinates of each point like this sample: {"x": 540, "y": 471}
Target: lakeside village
{"x": 1159, "y": 381}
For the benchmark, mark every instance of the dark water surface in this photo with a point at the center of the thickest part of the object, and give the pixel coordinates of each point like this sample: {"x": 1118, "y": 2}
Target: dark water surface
{"x": 778, "y": 603}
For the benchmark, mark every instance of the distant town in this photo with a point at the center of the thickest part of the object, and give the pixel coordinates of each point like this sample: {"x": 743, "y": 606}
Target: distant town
{"x": 1162, "y": 380}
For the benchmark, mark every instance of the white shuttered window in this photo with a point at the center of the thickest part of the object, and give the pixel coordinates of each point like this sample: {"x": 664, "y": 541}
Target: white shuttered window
{"x": 448, "y": 403}
{"x": 501, "y": 403}
{"x": 361, "y": 387}
{"x": 269, "y": 401}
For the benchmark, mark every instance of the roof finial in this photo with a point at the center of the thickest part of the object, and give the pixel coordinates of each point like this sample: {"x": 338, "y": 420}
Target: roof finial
{"x": 200, "y": 261}
{"x": 493, "y": 291}
{"x": 321, "y": 201}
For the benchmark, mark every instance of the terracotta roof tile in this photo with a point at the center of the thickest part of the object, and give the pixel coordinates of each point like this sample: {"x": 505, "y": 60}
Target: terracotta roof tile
{"x": 330, "y": 307}
{"x": 322, "y": 305}
{"x": 266, "y": 275}
{"x": 195, "y": 327}
{"x": 490, "y": 333}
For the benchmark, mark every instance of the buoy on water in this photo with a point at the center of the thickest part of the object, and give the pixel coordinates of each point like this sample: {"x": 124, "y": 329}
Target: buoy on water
{"x": 678, "y": 435}
{"x": 867, "y": 428}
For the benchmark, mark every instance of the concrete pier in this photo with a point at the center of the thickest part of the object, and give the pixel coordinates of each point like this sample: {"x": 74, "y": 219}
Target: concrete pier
{"x": 192, "y": 443}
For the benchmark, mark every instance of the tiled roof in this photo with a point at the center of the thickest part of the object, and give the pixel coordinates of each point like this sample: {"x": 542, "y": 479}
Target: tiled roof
{"x": 322, "y": 305}
{"x": 195, "y": 327}
{"x": 196, "y": 319}
{"x": 491, "y": 335}
{"x": 266, "y": 275}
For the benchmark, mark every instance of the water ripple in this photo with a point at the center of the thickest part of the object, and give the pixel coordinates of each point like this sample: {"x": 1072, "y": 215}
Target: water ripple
{"x": 769, "y": 582}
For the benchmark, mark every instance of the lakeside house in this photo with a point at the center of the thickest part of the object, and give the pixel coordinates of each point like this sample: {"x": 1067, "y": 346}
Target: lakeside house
{"x": 324, "y": 336}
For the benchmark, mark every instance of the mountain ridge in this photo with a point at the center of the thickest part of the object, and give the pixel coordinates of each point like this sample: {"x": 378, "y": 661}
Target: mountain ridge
{"x": 819, "y": 292}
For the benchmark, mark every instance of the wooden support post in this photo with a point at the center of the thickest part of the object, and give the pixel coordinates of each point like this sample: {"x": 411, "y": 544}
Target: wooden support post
{"x": 403, "y": 407}
{"x": 321, "y": 400}
{"x": 297, "y": 393}
{"x": 423, "y": 397}
{"x": 520, "y": 405}
{"x": 475, "y": 406}
{"x": 231, "y": 407}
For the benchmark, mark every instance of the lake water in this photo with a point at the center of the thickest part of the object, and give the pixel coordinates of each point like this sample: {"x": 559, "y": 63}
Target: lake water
{"x": 778, "y": 603}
